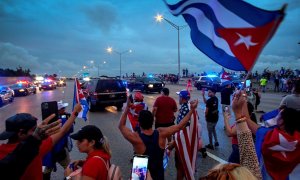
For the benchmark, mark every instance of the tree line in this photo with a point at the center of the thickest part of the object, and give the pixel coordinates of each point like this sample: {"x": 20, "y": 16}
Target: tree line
{"x": 15, "y": 73}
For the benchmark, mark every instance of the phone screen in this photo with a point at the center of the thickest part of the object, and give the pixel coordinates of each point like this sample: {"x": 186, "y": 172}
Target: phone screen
{"x": 49, "y": 108}
{"x": 139, "y": 167}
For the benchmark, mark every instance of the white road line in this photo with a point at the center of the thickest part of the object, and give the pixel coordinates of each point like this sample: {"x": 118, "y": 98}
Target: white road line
{"x": 5, "y": 106}
{"x": 216, "y": 158}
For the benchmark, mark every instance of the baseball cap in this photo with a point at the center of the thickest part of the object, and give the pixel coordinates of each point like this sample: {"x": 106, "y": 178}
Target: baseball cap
{"x": 15, "y": 123}
{"x": 61, "y": 105}
{"x": 184, "y": 94}
{"x": 90, "y": 132}
{"x": 138, "y": 96}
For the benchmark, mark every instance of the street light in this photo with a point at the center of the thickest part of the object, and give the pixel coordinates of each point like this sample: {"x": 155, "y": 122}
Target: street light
{"x": 110, "y": 50}
{"x": 104, "y": 62}
{"x": 159, "y": 18}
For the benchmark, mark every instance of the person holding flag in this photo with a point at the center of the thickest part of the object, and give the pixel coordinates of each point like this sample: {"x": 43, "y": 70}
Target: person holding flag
{"x": 136, "y": 107}
{"x": 80, "y": 98}
{"x": 276, "y": 145}
{"x": 152, "y": 142}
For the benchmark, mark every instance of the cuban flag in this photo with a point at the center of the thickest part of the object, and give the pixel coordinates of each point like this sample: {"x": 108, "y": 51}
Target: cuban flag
{"x": 80, "y": 98}
{"x": 230, "y": 32}
{"x": 278, "y": 152}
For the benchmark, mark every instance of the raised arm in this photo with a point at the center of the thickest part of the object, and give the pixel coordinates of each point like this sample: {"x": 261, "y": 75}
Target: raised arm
{"x": 229, "y": 131}
{"x": 126, "y": 132}
{"x": 166, "y": 132}
{"x": 248, "y": 157}
{"x": 68, "y": 124}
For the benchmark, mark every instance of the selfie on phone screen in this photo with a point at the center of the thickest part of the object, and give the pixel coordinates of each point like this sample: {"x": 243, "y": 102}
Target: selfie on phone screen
{"x": 139, "y": 168}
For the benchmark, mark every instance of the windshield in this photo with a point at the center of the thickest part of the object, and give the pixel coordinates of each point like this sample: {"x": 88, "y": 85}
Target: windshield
{"x": 216, "y": 79}
{"x": 17, "y": 86}
{"x": 110, "y": 86}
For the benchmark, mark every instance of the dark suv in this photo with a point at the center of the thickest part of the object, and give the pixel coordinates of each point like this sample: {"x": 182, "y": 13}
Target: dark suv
{"x": 208, "y": 82}
{"x": 145, "y": 84}
{"x": 105, "y": 92}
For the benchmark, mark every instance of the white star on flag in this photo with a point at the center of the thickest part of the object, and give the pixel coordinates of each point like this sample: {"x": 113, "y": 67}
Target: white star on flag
{"x": 284, "y": 145}
{"x": 245, "y": 40}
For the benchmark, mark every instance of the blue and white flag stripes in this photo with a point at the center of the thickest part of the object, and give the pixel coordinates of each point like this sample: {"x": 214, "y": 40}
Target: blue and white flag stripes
{"x": 79, "y": 98}
{"x": 231, "y": 32}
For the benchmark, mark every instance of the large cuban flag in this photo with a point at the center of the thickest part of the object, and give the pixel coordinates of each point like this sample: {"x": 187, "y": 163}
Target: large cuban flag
{"x": 278, "y": 152}
{"x": 230, "y": 32}
{"x": 79, "y": 98}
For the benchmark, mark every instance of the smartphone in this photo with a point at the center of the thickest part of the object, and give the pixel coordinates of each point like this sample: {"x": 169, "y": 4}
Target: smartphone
{"x": 139, "y": 167}
{"x": 49, "y": 108}
{"x": 131, "y": 98}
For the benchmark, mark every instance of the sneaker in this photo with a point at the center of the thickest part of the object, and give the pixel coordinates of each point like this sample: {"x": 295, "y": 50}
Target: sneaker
{"x": 203, "y": 152}
{"x": 216, "y": 144}
{"x": 209, "y": 146}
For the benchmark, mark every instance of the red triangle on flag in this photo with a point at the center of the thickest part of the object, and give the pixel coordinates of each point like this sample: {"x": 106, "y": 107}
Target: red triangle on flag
{"x": 247, "y": 43}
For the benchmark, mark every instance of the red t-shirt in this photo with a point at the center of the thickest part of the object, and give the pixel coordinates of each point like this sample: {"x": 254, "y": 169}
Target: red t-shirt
{"x": 34, "y": 169}
{"x": 166, "y": 106}
{"x": 94, "y": 167}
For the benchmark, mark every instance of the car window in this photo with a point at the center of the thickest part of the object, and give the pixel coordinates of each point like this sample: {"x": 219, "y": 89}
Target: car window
{"x": 110, "y": 86}
{"x": 216, "y": 79}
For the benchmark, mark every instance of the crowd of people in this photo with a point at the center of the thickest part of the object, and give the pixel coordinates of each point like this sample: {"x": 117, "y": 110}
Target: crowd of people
{"x": 31, "y": 146}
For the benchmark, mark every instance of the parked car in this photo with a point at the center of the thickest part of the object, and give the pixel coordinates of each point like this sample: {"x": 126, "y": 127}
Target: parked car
{"x": 6, "y": 95}
{"x": 145, "y": 84}
{"x": 47, "y": 85}
{"x": 208, "y": 82}
{"x": 23, "y": 88}
{"x": 105, "y": 92}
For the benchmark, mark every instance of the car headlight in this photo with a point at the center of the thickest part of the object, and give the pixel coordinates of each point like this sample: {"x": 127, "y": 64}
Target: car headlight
{"x": 150, "y": 86}
{"x": 162, "y": 85}
{"x": 21, "y": 90}
{"x": 50, "y": 85}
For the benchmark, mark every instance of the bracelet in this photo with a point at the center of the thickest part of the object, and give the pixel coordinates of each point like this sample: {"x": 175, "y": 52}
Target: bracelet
{"x": 75, "y": 113}
{"x": 243, "y": 119}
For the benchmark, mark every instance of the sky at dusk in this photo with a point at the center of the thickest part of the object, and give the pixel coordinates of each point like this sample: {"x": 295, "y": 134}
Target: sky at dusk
{"x": 62, "y": 36}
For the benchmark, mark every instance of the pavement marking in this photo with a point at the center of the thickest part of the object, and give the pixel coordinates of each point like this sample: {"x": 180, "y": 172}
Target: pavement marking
{"x": 5, "y": 106}
{"x": 216, "y": 158}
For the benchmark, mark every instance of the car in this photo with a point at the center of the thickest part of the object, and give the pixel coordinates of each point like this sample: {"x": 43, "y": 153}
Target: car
{"x": 102, "y": 92}
{"x": 47, "y": 85}
{"x": 145, "y": 84}
{"x": 23, "y": 88}
{"x": 6, "y": 95}
{"x": 61, "y": 83}
{"x": 208, "y": 82}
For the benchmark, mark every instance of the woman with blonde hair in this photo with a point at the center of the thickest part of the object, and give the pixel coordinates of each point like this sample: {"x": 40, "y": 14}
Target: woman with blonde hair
{"x": 230, "y": 171}
{"x": 91, "y": 141}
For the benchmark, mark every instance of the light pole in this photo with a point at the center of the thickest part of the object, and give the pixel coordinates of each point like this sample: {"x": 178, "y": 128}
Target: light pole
{"x": 104, "y": 62}
{"x": 159, "y": 18}
{"x": 110, "y": 50}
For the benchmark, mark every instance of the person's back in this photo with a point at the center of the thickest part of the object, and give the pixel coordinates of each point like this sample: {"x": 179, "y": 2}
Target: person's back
{"x": 292, "y": 100}
{"x": 163, "y": 109}
{"x": 155, "y": 154}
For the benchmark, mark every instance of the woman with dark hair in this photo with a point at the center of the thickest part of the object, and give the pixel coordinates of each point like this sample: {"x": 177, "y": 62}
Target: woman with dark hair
{"x": 91, "y": 141}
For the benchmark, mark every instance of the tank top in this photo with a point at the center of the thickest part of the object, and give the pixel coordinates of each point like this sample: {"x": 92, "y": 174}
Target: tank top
{"x": 155, "y": 154}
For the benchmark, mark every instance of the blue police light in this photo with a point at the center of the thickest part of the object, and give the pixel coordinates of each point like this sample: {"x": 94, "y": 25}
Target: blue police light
{"x": 150, "y": 75}
{"x": 212, "y": 75}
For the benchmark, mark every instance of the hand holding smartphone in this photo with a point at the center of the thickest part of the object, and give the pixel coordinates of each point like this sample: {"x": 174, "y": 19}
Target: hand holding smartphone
{"x": 139, "y": 167}
{"x": 49, "y": 108}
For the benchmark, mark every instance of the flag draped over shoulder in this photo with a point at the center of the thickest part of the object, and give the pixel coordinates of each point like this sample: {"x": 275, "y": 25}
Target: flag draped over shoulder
{"x": 231, "y": 33}
{"x": 278, "y": 152}
{"x": 133, "y": 114}
{"x": 186, "y": 145}
{"x": 79, "y": 98}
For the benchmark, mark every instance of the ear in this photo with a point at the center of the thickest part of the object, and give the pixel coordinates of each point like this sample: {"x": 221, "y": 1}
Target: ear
{"x": 92, "y": 143}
